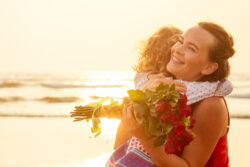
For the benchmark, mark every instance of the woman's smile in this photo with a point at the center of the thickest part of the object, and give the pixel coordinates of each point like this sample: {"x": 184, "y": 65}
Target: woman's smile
{"x": 176, "y": 60}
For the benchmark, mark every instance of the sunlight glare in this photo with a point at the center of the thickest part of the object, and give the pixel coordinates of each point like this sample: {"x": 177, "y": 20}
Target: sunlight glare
{"x": 109, "y": 126}
{"x": 97, "y": 161}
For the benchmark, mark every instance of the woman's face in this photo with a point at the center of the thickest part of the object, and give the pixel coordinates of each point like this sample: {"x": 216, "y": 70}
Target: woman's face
{"x": 189, "y": 57}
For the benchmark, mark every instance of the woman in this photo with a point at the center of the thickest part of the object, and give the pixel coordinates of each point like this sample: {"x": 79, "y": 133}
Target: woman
{"x": 201, "y": 55}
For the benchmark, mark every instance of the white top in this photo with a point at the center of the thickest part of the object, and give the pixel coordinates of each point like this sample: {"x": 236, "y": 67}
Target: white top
{"x": 196, "y": 91}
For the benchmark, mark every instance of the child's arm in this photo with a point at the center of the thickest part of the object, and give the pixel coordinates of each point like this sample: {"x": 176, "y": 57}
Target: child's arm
{"x": 140, "y": 79}
{"x": 224, "y": 88}
{"x": 143, "y": 81}
{"x": 197, "y": 91}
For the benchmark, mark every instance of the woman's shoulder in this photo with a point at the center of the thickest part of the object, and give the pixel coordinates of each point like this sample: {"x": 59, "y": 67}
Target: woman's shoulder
{"x": 210, "y": 113}
{"x": 216, "y": 100}
{"x": 211, "y": 105}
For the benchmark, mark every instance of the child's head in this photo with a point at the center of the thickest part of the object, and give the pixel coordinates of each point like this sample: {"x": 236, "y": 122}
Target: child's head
{"x": 155, "y": 52}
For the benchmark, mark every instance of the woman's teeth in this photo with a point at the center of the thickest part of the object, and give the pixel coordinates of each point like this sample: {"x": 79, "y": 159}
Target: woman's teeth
{"x": 177, "y": 60}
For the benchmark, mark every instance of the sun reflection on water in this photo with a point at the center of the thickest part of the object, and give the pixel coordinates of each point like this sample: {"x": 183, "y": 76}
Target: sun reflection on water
{"x": 109, "y": 126}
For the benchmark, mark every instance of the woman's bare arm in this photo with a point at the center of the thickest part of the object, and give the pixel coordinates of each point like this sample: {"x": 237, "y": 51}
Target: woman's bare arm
{"x": 121, "y": 136}
{"x": 211, "y": 121}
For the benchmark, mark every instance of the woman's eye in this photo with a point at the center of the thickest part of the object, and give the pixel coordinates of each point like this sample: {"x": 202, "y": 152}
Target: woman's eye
{"x": 192, "y": 49}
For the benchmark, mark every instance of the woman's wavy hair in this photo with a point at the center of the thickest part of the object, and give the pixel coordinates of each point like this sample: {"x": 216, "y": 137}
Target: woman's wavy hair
{"x": 155, "y": 52}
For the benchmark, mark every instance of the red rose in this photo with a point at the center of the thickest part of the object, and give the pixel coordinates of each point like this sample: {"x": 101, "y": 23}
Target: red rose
{"x": 183, "y": 112}
{"x": 163, "y": 107}
{"x": 192, "y": 121}
{"x": 173, "y": 147}
{"x": 170, "y": 147}
{"x": 177, "y": 139}
{"x": 182, "y": 102}
{"x": 171, "y": 135}
{"x": 176, "y": 143}
{"x": 179, "y": 127}
{"x": 186, "y": 111}
{"x": 170, "y": 117}
{"x": 164, "y": 117}
{"x": 189, "y": 110}
{"x": 183, "y": 98}
{"x": 187, "y": 137}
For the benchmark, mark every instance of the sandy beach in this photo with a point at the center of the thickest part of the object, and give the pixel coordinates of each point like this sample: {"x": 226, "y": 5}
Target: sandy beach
{"x": 59, "y": 142}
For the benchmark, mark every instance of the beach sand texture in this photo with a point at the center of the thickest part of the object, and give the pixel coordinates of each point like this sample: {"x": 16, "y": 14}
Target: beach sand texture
{"x": 59, "y": 142}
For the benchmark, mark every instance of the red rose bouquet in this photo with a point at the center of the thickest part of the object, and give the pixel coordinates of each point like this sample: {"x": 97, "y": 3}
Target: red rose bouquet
{"x": 178, "y": 116}
{"x": 164, "y": 113}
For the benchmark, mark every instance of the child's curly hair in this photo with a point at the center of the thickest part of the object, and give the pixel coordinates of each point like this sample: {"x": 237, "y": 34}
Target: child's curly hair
{"x": 155, "y": 52}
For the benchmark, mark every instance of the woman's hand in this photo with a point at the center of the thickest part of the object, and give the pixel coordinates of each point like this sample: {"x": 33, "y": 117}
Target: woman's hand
{"x": 131, "y": 124}
{"x": 155, "y": 80}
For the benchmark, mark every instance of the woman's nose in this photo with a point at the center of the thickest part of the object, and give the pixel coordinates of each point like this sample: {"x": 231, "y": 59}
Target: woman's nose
{"x": 179, "y": 48}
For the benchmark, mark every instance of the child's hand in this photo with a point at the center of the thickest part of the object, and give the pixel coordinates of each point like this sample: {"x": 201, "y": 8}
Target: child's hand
{"x": 153, "y": 76}
{"x": 156, "y": 80}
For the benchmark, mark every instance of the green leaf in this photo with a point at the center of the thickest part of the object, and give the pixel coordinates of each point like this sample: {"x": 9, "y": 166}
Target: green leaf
{"x": 174, "y": 95}
{"x": 136, "y": 95}
{"x": 194, "y": 135}
{"x": 98, "y": 132}
{"x": 152, "y": 111}
{"x": 139, "y": 118}
{"x": 161, "y": 87}
{"x": 169, "y": 127}
{"x": 186, "y": 121}
{"x": 96, "y": 128}
{"x": 148, "y": 95}
{"x": 166, "y": 127}
{"x": 160, "y": 140}
{"x": 139, "y": 108}
{"x": 153, "y": 128}
{"x": 172, "y": 87}
{"x": 172, "y": 104}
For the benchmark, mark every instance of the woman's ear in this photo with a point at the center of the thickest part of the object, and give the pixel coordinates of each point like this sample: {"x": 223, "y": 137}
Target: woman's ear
{"x": 209, "y": 69}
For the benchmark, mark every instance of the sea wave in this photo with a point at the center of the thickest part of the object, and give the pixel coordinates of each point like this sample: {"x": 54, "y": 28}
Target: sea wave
{"x": 61, "y": 86}
{"x": 4, "y": 114}
{"x": 94, "y": 97}
{"x": 10, "y": 84}
{"x": 51, "y": 99}
{"x": 63, "y": 115}
{"x": 239, "y": 96}
{"x": 72, "y": 99}
{"x": 11, "y": 99}
{"x": 16, "y": 84}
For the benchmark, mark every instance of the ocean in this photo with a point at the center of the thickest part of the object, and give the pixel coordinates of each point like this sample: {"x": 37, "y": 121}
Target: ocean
{"x": 55, "y": 95}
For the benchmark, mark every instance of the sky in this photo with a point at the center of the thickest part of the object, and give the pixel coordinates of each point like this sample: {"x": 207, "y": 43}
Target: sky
{"x": 84, "y": 35}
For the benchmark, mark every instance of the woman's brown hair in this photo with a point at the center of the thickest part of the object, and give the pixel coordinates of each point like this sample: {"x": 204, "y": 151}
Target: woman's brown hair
{"x": 220, "y": 52}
